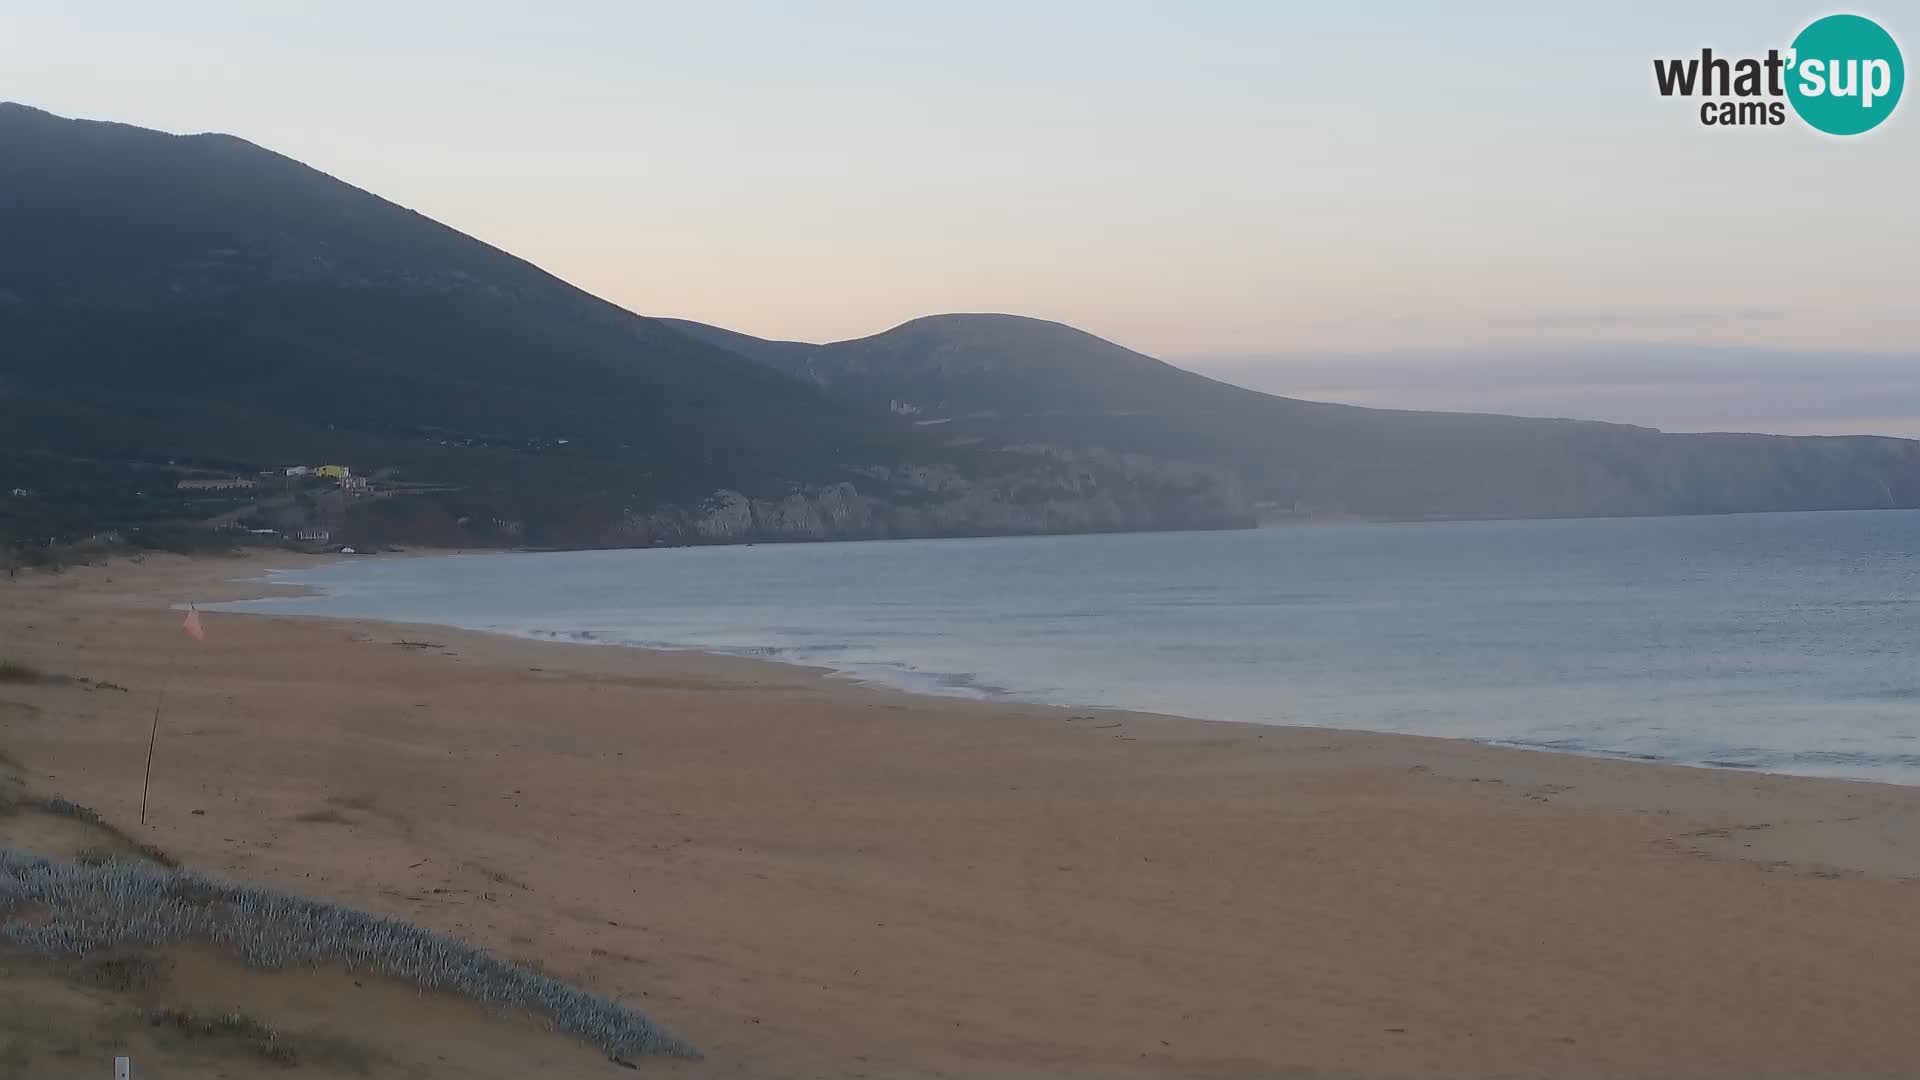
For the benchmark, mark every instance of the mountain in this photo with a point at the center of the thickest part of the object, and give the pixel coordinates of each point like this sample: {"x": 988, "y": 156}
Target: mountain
{"x": 178, "y": 311}
{"x": 173, "y": 306}
{"x": 1008, "y": 378}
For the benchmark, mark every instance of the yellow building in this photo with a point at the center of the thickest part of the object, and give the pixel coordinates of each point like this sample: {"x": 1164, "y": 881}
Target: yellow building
{"x": 333, "y": 472}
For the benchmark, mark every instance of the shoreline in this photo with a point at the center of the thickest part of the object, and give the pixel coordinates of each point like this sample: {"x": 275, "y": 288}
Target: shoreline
{"x": 853, "y": 678}
{"x": 1162, "y": 726}
{"x": 809, "y": 877}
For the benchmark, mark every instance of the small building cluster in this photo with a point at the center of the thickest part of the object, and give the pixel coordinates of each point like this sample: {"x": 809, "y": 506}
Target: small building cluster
{"x": 216, "y": 483}
{"x": 341, "y": 473}
{"x": 325, "y": 472}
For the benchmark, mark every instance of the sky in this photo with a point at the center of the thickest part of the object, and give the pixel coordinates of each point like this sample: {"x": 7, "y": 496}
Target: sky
{"x": 1472, "y": 205}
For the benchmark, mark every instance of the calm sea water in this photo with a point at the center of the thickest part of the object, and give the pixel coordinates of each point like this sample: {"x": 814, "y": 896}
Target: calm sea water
{"x": 1785, "y": 642}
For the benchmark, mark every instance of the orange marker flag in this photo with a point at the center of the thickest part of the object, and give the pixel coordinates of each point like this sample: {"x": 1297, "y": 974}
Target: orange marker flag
{"x": 191, "y": 625}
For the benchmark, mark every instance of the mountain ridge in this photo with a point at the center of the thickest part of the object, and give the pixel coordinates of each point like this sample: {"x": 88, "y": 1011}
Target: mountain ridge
{"x": 175, "y": 301}
{"x": 998, "y": 376}
{"x": 174, "y": 304}
{"x": 799, "y": 355}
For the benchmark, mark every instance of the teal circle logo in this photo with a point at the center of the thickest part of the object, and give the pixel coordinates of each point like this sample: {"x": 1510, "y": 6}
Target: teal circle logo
{"x": 1845, "y": 75}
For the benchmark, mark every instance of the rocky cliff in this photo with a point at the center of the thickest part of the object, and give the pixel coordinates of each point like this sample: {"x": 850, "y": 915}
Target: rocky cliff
{"x": 1030, "y": 490}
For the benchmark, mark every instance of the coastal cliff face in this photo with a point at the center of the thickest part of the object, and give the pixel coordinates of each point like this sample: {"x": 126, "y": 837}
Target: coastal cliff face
{"x": 1031, "y": 490}
{"x": 1063, "y": 493}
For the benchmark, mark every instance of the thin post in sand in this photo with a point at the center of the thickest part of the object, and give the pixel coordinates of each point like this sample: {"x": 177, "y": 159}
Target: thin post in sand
{"x": 153, "y": 734}
{"x": 191, "y": 627}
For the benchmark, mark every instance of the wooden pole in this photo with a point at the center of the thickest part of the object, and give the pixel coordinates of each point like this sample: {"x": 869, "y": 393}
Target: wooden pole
{"x": 153, "y": 732}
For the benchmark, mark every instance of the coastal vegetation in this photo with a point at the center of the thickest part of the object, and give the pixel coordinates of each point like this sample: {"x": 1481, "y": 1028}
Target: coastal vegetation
{"x": 118, "y": 903}
{"x": 57, "y": 908}
{"x": 15, "y": 671}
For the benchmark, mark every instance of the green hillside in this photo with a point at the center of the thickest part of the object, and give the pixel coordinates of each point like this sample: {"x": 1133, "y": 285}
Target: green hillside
{"x": 197, "y": 301}
{"x": 1007, "y": 378}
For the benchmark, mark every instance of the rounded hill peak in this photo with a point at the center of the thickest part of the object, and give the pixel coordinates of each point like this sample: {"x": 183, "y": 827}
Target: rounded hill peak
{"x": 989, "y": 328}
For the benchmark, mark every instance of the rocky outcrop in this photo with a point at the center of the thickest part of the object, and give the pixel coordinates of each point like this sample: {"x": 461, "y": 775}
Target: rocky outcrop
{"x": 1037, "y": 490}
{"x": 1025, "y": 490}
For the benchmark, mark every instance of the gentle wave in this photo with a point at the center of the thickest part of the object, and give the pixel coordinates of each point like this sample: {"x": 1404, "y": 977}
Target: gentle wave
{"x": 897, "y": 676}
{"x": 1781, "y": 643}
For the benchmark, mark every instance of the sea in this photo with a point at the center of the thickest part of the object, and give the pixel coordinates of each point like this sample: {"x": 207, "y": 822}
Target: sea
{"x": 1776, "y": 642}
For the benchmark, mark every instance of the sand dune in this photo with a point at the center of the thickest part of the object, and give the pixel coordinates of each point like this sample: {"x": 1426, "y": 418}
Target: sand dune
{"x": 807, "y": 878}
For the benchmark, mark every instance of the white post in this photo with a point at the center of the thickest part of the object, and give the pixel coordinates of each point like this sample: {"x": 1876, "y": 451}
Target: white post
{"x": 122, "y": 1068}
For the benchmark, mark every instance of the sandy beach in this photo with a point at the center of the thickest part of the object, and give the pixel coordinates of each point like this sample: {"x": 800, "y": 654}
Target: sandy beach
{"x": 808, "y": 878}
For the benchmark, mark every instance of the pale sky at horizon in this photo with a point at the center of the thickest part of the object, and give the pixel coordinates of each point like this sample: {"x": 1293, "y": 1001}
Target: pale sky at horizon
{"x": 1193, "y": 180}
